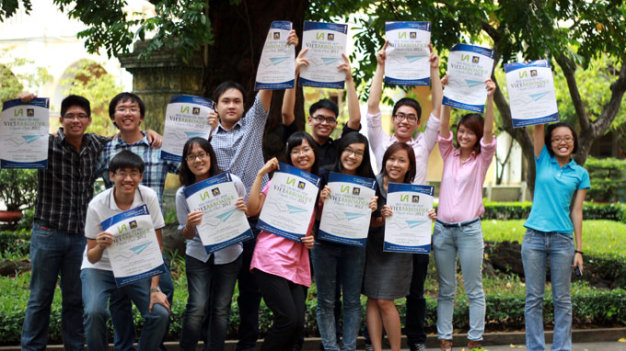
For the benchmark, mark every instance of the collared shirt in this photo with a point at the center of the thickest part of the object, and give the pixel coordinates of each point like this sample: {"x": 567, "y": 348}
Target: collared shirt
{"x": 240, "y": 149}
{"x": 66, "y": 186}
{"x": 156, "y": 168}
{"x": 195, "y": 248}
{"x": 103, "y": 206}
{"x": 422, "y": 144}
{"x": 461, "y": 194}
{"x": 554, "y": 188}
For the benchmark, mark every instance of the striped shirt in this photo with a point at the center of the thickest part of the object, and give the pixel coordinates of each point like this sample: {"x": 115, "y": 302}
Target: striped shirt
{"x": 66, "y": 186}
{"x": 240, "y": 149}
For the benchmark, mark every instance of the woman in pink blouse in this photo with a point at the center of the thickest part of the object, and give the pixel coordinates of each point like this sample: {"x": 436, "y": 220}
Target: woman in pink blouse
{"x": 458, "y": 230}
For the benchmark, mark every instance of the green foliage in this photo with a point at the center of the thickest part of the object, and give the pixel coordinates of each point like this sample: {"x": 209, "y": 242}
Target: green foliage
{"x": 517, "y": 210}
{"x": 18, "y": 188}
{"x": 12, "y": 83}
{"x": 14, "y": 245}
{"x": 9, "y": 7}
{"x": 608, "y": 179}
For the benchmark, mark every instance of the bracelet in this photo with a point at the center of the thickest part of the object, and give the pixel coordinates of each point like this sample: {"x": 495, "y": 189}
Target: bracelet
{"x": 153, "y": 290}
{"x": 580, "y": 252}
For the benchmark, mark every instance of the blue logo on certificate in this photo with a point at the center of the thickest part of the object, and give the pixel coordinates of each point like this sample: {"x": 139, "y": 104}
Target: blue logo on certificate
{"x": 215, "y": 191}
{"x": 356, "y": 191}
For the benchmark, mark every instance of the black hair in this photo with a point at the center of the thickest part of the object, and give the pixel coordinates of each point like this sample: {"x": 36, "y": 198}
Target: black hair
{"x": 229, "y": 84}
{"x": 408, "y": 102}
{"x": 123, "y": 97}
{"x": 126, "y": 159}
{"x": 548, "y": 136}
{"x": 476, "y": 123}
{"x": 296, "y": 140}
{"x": 365, "y": 168}
{"x": 75, "y": 100}
{"x": 324, "y": 103}
{"x": 410, "y": 174}
{"x": 184, "y": 173}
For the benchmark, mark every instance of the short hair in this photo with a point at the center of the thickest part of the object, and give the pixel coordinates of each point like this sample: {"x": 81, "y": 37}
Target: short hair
{"x": 75, "y": 100}
{"x": 296, "y": 140}
{"x": 184, "y": 173}
{"x": 126, "y": 159}
{"x": 410, "y": 174}
{"x": 408, "y": 102}
{"x": 229, "y": 84}
{"x": 365, "y": 168}
{"x": 123, "y": 97}
{"x": 476, "y": 123}
{"x": 324, "y": 103}
{"x": 548, "y": 136}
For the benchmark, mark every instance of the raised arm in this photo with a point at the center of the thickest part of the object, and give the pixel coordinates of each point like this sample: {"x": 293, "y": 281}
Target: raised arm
{"x": 255, "y": 197}
{"x": 538, "y": 138}
{"x": 376, "y": 90}
{"x": 488, "y": 128}
{"x": 354, "y": 112}
{"x": 289, "y": 99}
{"x": 444, "y": 121}
{"x": 436, "y": 88}
{"x": 576, "y": 215}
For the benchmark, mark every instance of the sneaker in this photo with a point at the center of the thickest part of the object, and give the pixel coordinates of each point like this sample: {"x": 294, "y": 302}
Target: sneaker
{"x": 474, "y": 344}
{"x": 417, "y": 347}
{"x": 369, "y": 347}
{"x": 446, "y": 345}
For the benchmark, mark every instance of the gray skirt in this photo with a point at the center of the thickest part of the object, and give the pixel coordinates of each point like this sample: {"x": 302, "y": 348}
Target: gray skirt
{"x": 387, "y": 274}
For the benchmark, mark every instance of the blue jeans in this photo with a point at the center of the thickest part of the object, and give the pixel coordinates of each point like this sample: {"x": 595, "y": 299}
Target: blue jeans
{"x": 122, "y": 314}
{"x": 210, "y": 285}
{"x": 537, "y": 248}
{"x": 351, "y": 261}
{"x": 52, "y": 253}
{"x": 98, "y": 286}
{"x": 466, "y": 242}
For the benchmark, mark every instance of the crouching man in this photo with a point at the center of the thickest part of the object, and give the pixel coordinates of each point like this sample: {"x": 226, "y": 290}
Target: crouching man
{"x": 126, "y": 171}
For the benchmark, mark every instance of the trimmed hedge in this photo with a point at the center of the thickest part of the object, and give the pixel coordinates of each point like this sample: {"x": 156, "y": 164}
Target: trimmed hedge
{"x": 520, "y": 210}
{"x": 608, "y": 179}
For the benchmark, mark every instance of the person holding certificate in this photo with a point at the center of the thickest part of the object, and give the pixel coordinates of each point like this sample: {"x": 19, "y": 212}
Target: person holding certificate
{"x": 281, "y": 266}
{"x": 209, "y": 276}
{"x": 557, "y": 211}
{"x": 458, "y": 230}
{"x": 341, "y": 265}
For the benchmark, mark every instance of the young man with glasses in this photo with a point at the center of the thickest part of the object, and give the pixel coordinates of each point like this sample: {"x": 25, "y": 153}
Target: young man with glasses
{"x": 406, "y": 119}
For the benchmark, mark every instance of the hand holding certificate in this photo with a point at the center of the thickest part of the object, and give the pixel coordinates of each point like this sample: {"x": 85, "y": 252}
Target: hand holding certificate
{"x": 408, "y": 54}
{"x": 222, "y": 224}
{"x": 409, "y": 228}
{"x": 24, "y": 132}
{"x": 326, "y": 42}
{"x": 531, "y": 93}
{"x": 135, "y": 253}
{"x": 186, "y": 117}
{"x": 276, "y": 66}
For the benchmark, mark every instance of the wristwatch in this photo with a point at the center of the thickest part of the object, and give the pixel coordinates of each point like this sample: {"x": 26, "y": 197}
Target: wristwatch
{"x": 153, "y": 290}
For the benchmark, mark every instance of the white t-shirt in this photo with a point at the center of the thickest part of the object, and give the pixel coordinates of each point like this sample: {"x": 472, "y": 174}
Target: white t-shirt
{"x": 103, "y": 206}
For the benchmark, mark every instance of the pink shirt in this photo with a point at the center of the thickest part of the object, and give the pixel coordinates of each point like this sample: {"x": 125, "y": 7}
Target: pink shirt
{"x": 282, "y": 257}
{"x": 461, "y": 194}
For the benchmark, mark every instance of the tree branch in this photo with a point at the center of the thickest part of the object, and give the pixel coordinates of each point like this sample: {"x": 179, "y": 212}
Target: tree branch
{"x": 610, "y": 110}
{"x": 569, "y": 71}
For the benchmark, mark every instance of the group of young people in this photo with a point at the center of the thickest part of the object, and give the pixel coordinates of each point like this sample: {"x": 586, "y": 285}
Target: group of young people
{"x": 68, "y": 240}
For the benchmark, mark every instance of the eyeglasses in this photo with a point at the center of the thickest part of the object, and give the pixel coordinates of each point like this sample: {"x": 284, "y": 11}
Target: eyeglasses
{"x": 322, "y": 118}
{"x": 404, "y": 117}
{"x": 72, "y": 116}
{"x": 302, "y": 151}
{"x": 124, "y": 174}
{"x": 127, "y": 109}
{"x": 199, "y": 155}
{"x": 558, "y": 140}
{"x": 357, "y": 154}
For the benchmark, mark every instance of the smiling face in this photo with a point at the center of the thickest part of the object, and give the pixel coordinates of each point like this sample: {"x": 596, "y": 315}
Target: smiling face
{"x": 466, "y": 137}
{"x": 126, "y": 180}
{"x": 230, "y": 107}
{"x": 127, "y": 116}
{"x": 562, "y": 142}
{"x": 303, "y": 156}
{"x": 199, "y": 162}
{"x": 397, "y": 166}
{"x": 323, "y": 122}
{"x": 351, "y": 157}
{"x": 75, "y": 122}
{"x": 405, "y": 122}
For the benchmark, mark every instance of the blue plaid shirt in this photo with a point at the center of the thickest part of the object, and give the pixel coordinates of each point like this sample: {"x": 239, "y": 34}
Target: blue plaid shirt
{"x": 156, "y": 169}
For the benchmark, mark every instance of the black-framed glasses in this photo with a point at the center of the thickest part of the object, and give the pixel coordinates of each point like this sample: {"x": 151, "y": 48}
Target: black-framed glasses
{"x": 322, "y": 118}
{"x": 199, "y": 155}
{"x": 405, "y": 117}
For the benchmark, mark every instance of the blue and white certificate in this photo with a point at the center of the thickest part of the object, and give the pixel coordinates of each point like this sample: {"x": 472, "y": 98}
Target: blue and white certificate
{"x": 290, "y": 203}
{"x": 408, "y": 56}
{"x": 24, "y": 134}
{"x": 409, "y": 228}
{"x": 186, "y": 117}
{"x": 135, "y": 254}
{"x": 276, "y": 69}
{"x": 326, "y": 42}
{"x": 222, "y": 223}
{"x": 346, "y": 214}
{"x": 531, "y": 93}
{"x": 469, "y": 66}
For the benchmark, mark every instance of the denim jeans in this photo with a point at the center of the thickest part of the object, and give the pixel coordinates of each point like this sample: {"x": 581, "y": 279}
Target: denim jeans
{"x": 351, "y": 261}
{"x": 98, "y": 285}
{"x": 467, "y": 242}
{"x": 52, "y": 253}
{"x": 537, "y": 248}
{"x": 122, "y": 313}
{"x": 211, "y": 286}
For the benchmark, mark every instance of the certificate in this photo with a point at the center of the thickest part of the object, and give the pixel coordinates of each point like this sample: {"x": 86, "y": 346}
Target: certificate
{"x": 408, "y": 55}
{"x": 290, "y": 203}
{"x": 135, "y": 254}
{"x": 326, "y": 42}
{"x": 346, "y": 214}
{"x": 409, "y": 228}
{"x": 531, "y": 93}
{"x": 186, "y": 117}
{"x": 24, "y": 134}
{"x": 469, "y": 67}
{"x": 277, "y": 64}
{"x": 222, "y": 223}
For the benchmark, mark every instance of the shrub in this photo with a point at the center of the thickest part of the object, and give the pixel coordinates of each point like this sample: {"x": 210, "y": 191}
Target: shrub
{"x": 521, "y": 210}
{"x": 608, "y": 179}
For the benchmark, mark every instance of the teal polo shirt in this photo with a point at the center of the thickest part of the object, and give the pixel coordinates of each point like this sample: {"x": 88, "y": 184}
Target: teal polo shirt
{"x": 555, "y": 187}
